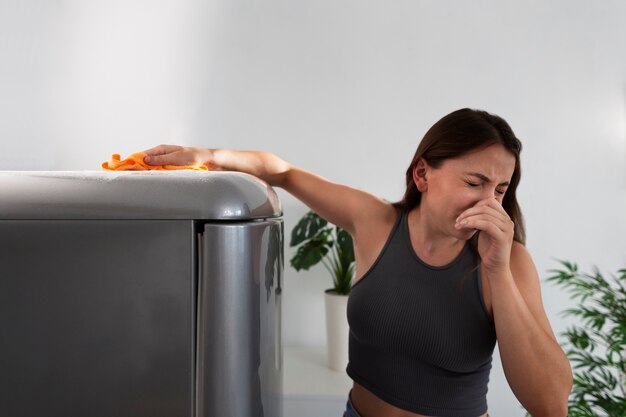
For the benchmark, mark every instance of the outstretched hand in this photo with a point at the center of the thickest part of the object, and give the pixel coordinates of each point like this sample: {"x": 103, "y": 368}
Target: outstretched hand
{"x": 177, "y": 155}
{"x": 496, "y": 232}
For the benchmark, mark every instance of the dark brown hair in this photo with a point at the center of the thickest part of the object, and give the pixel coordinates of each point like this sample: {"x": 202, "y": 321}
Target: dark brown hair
{"x": 459, "y": 133}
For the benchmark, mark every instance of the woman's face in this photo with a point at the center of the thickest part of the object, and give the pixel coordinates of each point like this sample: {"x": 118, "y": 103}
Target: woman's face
{"x": 460, "y": 183}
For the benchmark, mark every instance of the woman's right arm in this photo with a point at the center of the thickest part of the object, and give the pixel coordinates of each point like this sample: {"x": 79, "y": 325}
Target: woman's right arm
{"x": 344, "y": 206}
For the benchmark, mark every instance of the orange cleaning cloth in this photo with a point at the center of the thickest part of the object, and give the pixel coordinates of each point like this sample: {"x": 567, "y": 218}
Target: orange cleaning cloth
{"x": 135, "y": 163}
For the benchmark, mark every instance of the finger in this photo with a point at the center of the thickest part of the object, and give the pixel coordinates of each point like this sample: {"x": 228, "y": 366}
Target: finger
{"x": 161, "y": 150}
{"x": 162, "y": 155}
{"x": 481, "y": 224}
{"x": 493, "y": 203}
{"x": 498, "y": 232}
{"x": 487, "y": 209}
{"x": 171, "y": 158}
{"x": 486, "y": 213}
{"x": 471, "y": 221}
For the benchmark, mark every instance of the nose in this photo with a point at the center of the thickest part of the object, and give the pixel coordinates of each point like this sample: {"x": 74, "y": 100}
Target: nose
{"x": 489, "y": 192}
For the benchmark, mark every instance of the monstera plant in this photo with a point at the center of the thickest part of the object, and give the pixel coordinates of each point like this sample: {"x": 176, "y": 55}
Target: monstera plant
{"x": 317, "y": 241}
{"x": 596, "y": 347}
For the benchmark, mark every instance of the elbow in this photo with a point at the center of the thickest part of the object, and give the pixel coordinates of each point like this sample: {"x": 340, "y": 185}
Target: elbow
{"x": 553, "y": 399}
{"x": 552, "y": 409}
{"x": 561, "y": 412}
{"x": 556, "y": 405}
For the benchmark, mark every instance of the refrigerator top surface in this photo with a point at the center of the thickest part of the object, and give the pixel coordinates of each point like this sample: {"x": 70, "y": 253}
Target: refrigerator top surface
{"x": 201, "y": 195}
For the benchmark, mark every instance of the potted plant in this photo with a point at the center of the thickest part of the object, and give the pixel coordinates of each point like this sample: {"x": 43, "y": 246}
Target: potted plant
{"x": 597, "y": 347}
{"x": 317, "y": 241}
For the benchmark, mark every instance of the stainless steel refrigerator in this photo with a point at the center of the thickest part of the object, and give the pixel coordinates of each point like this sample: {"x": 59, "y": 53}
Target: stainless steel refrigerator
{"x": 140, "y": 294}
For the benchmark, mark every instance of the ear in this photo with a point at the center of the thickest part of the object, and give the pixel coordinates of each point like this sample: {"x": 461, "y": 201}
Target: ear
{"x": 419, "y": 175}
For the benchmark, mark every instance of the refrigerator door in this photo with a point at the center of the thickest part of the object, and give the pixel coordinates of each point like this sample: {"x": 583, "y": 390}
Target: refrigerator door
{"x": 239, "y": 330}
{"x": 97, "y": 318}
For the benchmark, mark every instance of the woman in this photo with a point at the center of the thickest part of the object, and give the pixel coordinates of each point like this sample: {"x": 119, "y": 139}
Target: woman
{"x": 440, "y": 275}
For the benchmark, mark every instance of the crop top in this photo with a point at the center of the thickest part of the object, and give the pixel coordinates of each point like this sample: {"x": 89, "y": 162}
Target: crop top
{"x": 420, "y": 336}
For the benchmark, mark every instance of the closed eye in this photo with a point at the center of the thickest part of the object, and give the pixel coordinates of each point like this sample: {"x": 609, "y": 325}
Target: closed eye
{"x": 476, "y": 185}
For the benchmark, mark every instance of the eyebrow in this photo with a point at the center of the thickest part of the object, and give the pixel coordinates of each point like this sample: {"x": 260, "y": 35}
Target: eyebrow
{"x": 485, "y": 178}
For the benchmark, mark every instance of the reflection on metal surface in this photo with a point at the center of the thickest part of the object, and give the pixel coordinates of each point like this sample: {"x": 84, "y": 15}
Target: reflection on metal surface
{"x": 199, "y": 195}
{"x": 240, "y": 335}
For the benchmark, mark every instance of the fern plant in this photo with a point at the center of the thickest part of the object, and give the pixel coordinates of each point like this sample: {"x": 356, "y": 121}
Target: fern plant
{"x": 320, "y": 242}
{"x": 597, "y": 347}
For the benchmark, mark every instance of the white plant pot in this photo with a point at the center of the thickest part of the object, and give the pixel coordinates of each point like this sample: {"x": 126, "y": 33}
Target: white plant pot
{"x": 336, "y": 330}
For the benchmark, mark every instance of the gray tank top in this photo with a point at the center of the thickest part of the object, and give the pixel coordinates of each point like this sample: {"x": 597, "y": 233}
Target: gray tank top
{"x": 420, "y": 336}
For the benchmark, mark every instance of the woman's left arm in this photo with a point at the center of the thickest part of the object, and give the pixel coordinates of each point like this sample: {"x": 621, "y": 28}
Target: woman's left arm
{"x": 534, "y": 364}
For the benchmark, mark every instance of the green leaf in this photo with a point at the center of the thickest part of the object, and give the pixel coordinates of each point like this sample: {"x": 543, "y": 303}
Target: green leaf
{"x": 601, "y": 309}
{"x": 345, "y": 246}
{"x": 344, "y": 261}
{"x": 310, "y": 253}
{"x": 307, "y": 228}
{"x": 319, "y": 244}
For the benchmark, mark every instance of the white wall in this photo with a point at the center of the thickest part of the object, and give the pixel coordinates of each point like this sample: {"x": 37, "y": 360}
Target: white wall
{"x": 343, "y": 88}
